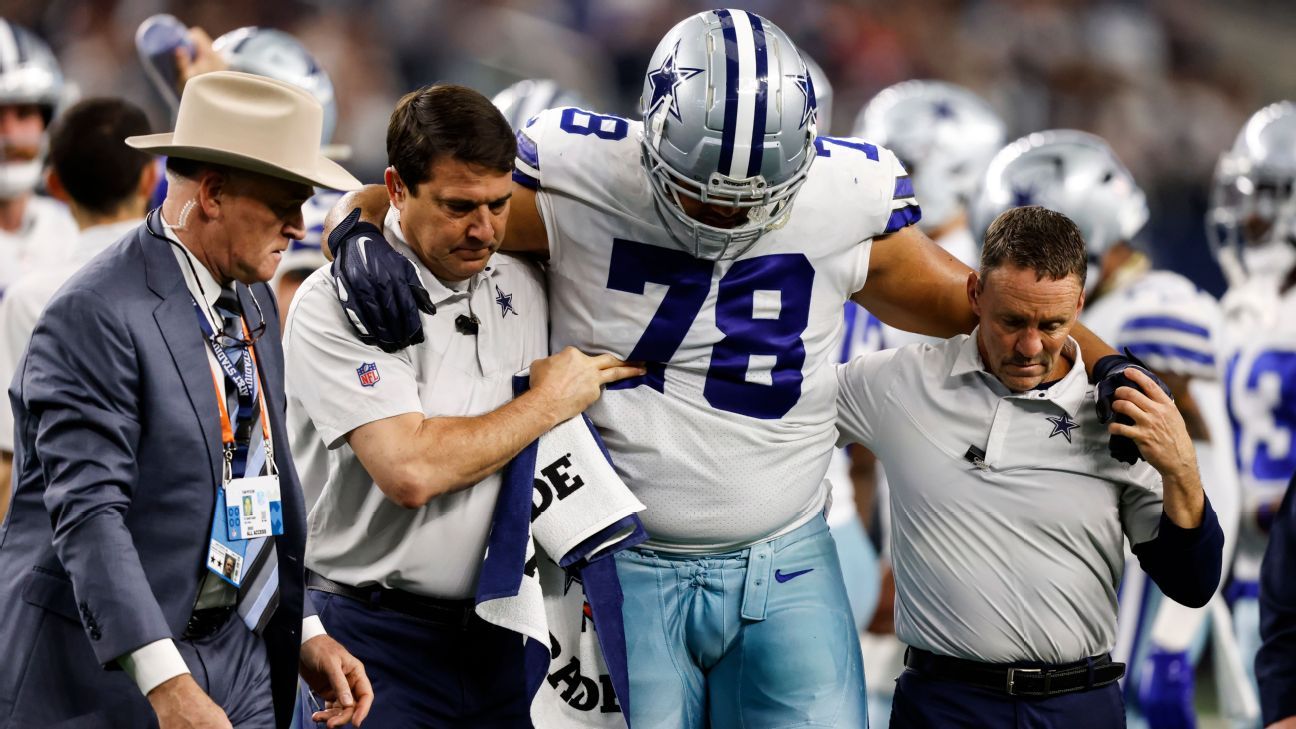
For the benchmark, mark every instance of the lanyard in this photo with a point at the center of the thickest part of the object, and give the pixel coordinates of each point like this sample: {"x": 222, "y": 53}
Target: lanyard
{"x": 245, "y": 382}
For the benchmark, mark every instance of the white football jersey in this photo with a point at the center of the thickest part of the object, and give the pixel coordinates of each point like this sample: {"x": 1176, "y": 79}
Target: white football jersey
{"x": 1259, "y": 358}
{"x": 1164, "y": 320}
{"x": 45, "y": 238}
{"x": 727, "y": 439}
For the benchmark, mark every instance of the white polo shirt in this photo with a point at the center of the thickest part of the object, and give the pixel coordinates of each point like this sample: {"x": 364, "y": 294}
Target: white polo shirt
{"x": 1017, "y": 559}
{"x": 335, "y": 384}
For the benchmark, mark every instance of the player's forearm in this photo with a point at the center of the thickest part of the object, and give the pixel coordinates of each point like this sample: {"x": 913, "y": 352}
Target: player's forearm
{"x": 452, "y": 454}
{"x": 373, "y": 203}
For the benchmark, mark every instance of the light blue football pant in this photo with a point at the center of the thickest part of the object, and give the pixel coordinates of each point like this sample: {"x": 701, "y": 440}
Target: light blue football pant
{"x": 859, "y": 563}
{"x": 761, "y": 637}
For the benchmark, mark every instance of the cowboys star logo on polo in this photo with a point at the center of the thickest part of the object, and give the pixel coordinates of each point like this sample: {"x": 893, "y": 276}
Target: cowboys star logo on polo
{"x": 505, "y": 302}
{"x": 368, "y": 374}
{"x": 1063, "y": 425}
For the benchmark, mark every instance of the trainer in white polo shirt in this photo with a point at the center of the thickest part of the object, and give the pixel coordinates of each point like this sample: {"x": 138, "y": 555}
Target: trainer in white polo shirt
{"x": 400, "y": 452}
{"x": 485, "y": 330}
{"x": 1009, "y": 515}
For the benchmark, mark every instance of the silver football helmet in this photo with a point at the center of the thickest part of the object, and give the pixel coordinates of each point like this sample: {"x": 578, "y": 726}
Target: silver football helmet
{"x": 29, "y": 74}
{"x": 729, "y": 121}
{"x": 1073, "y": 173}
{"x": 944, "y": 135}
{"x": 1251, "y": 222}
{"x": 520, "y": 102}
{"x": 278, "y": 55}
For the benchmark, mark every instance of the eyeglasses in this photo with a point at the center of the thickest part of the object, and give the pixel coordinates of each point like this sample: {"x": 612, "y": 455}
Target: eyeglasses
{"x": 224, "y": 340}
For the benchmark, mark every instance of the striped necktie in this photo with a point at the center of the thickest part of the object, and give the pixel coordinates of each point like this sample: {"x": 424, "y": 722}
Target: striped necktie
{"x": 258, "y": 594}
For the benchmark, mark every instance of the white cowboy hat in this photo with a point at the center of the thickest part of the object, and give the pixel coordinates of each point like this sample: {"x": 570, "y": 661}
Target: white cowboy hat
{"x": 250, "y": 123}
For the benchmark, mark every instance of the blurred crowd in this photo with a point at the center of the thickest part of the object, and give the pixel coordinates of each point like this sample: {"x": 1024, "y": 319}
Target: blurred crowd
{"x": 1167, "y": 82}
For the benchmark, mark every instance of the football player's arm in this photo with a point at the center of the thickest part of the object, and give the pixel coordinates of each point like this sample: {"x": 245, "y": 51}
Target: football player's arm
{"x": 915, "y": 285}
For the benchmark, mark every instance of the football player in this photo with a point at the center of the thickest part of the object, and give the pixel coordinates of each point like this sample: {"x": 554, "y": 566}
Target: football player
{"x": 703, "y": 242}
{"x": 34, "y": 230}
{"x": 1252, "y": 224}
{"x": 1165, "y": 320}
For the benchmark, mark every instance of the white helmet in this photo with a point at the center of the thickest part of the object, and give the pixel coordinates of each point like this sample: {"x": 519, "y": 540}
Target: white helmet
{"x": 729, "y": 120}
{"x": 944, "y": 135}
{"x": 1252, "y": 218}
{"x": 29, "y": 74}
{"x": 1073, "y": 173}
{"x": 520, "y": 102}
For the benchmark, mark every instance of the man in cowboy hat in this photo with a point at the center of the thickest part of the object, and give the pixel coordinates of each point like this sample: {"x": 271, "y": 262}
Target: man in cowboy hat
{"x": 157, "y": 522}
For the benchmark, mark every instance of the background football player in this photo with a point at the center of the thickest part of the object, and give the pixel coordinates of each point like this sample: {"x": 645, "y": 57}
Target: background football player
{"x": 1252, "y": 224}
{"x": 34, "y": 230}
{"x": 1165, "y": 320}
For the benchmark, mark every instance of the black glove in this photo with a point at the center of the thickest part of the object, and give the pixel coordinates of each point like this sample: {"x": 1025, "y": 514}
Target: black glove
{"x": 1109, "y": 373}
{"x": 378, "y": 287}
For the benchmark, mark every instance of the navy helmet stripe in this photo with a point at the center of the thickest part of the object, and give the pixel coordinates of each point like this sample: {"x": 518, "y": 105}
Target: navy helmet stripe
{"x": 762, "y": 94}
{"x": 731, "y": 89}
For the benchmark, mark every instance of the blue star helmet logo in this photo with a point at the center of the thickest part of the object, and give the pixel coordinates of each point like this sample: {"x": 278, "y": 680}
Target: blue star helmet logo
{"x": 943, "y": 110}
{"x": 1023, "y": 196}
{"x": 810, "y": 107}
{"x": 1063, "y": 425}
{"x": 666, "y": 80}
{"x": 505, "y": 302}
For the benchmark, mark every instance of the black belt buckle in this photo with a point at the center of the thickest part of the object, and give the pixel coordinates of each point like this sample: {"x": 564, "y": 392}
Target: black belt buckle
{"x": 1011, "y": 683}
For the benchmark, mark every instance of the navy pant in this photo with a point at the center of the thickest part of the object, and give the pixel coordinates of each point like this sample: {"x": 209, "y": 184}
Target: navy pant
{"x": 425, "y": 674}
{"x": 926, "y": 703}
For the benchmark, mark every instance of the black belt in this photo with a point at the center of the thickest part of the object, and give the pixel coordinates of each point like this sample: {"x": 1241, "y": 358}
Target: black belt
{"x": 205, "y": 622}
{"x": 1014, "y": 680}
{"x": 450, "y": 613}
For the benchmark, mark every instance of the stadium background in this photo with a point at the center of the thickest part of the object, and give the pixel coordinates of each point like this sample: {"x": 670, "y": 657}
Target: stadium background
{"x": 1167, "y": 82}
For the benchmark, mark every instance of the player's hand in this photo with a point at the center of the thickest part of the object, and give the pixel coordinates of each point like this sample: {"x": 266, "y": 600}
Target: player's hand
{"x": 1166, "y": 691}
{"x": 338, "y": 677}
{"x": 181, "y": 704}
{"x": 1111, "y": 374}
{"x": 378, "y": 288}
{"x": 571, "y": 380}
{"x": 204, "y": 60}
{"x": 1154, "y": 424}
{"x": 883, "y": 621}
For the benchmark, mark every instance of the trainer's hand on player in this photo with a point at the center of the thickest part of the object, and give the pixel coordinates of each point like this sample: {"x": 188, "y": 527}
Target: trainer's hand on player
{"x": 181, "y": 704}
{"x": 570, "y": 381}
{"x": 378, "y": 288}
{"x": 339, "y": 678}
{"x": 205, "y": 59}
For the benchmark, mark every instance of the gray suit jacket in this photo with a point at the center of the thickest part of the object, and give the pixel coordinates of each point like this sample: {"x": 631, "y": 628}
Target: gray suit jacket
{"x": 116, "y": 464}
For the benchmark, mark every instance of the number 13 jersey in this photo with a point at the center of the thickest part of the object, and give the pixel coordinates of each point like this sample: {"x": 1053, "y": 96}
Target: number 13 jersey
{"x": 727, "y": 438}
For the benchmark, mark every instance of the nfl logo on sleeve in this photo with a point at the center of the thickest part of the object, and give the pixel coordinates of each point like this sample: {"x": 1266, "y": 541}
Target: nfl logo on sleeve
{"x": 368, "y": 373}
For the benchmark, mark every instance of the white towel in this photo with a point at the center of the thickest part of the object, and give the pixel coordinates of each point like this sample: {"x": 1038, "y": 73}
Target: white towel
{"x": 548, "y": 574}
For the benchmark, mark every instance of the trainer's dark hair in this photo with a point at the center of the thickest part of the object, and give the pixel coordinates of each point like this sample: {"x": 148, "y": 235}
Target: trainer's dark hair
{"x": 447, "y": 120}
{"x": 1036, "y": 238}
{"x": 89, "y": 154}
